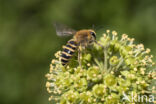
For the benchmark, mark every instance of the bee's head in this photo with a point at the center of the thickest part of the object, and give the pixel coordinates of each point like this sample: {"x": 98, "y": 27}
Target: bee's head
{"x": 93, "y": 35}
{"x": 85, "y": 36}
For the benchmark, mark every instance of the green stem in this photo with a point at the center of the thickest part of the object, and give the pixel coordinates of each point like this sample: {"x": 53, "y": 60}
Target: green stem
{"x": 105, "y": 58}
{"x": 98, "y": 63}
{"x": 120, "y": 63}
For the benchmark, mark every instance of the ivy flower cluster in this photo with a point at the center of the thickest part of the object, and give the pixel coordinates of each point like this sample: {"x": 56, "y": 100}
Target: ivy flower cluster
{"x": 118, "y": 67}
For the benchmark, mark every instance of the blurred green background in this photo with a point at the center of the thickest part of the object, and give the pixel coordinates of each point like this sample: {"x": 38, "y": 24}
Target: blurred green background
{"x": 28, "y": 40}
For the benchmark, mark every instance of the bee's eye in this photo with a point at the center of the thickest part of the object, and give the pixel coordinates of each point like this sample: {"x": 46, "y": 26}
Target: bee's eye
{"x": 93, "y": 34}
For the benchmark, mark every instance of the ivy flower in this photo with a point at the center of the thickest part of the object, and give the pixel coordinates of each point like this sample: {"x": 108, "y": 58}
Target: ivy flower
{"x": 118, "y": 67}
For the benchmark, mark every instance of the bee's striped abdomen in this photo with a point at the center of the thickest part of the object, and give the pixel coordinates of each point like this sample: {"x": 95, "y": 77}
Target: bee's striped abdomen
{"x": 68, "y": 51}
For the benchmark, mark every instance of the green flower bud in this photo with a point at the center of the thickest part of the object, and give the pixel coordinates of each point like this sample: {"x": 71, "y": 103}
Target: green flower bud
{"x": 66, "y": 82}
{"x": 110, "y": 80}
{"x": 86, "y": 97}
{"x": 63, "y": 101}
{"x": 81, "y": 84}
{"x": 125, "y": 73}
{"x": 80, "y": 72}
{"x": 117, "y": 46}
{"x": 124, "y": 51}
{"x": 114, "y": 60}
{"x": 92, "y": 74}
{"x": 99, "y": 90}
{"x": 113, "y": 99}
{"x": 122, "y": 89}
{"x": 123, "y": 85}
{"x": 71, "y": 96}
{"x": 129, "y": 61}
{"x": 105, "y": 40}
{"x": 124, "y": 82}
{"x": 113, "y": 42}
{"x": 87, "y": 57}
{"x": 58, "y": 81}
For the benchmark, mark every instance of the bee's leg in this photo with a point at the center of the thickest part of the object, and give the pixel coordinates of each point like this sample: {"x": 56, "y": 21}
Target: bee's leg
{"x": 79, "y": 56}
{"x": 99, "y": 44}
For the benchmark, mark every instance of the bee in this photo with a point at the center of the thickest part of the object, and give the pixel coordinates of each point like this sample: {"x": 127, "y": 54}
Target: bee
{"x": 80, "y": 40}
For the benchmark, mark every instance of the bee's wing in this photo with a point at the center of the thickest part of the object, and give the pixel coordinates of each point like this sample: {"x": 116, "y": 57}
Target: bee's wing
{"x": 63, "y": 30}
